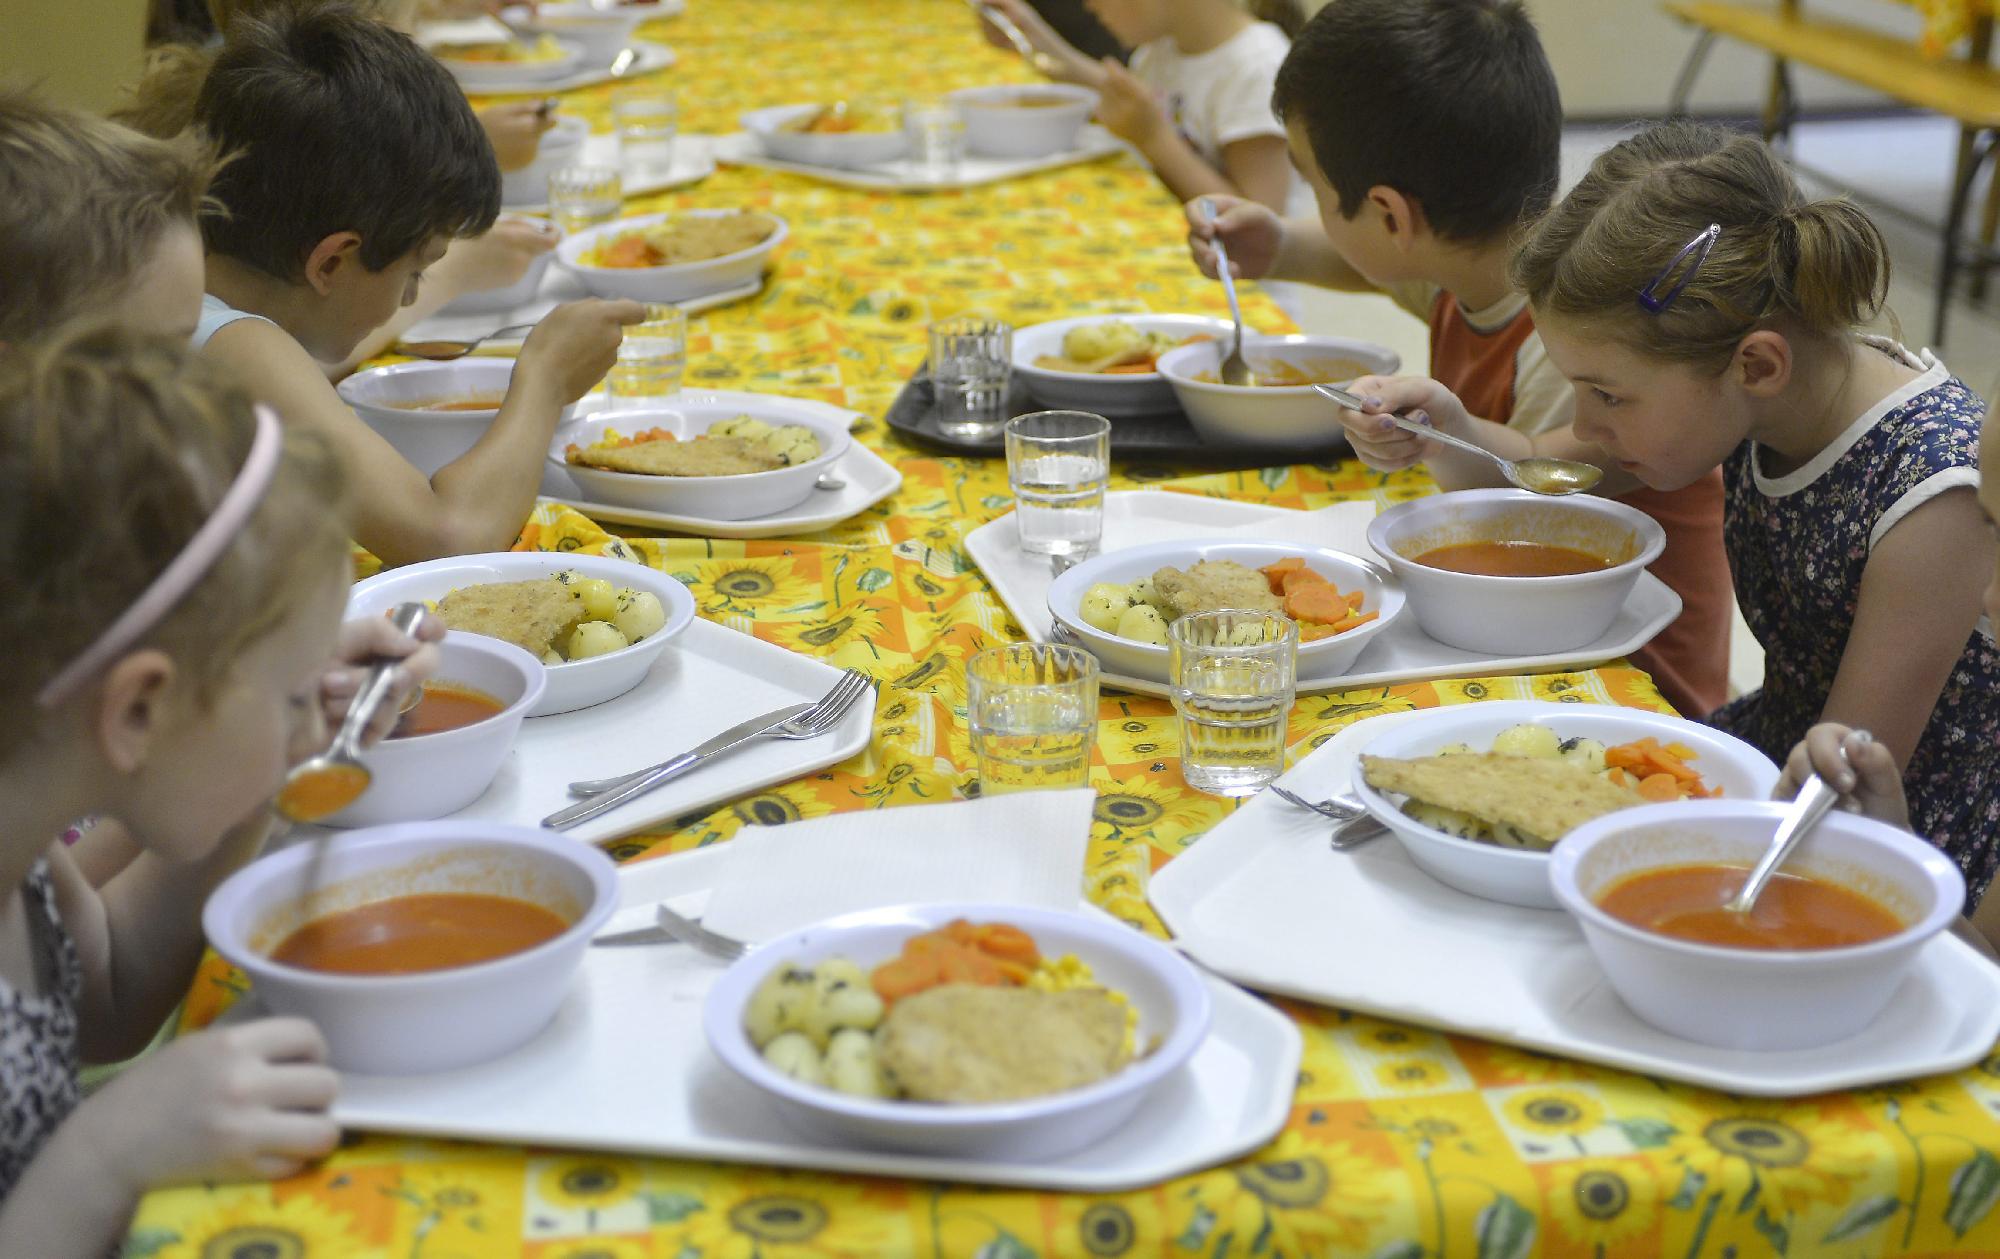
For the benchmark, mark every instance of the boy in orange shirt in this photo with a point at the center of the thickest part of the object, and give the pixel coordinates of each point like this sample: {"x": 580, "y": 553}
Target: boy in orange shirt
{"x": 1430, "y": 131}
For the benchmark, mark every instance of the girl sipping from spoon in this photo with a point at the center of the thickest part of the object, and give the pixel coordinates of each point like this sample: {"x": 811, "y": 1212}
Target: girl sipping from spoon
{"x": 166, "y": 662}
{"x": 1706, "y": 314}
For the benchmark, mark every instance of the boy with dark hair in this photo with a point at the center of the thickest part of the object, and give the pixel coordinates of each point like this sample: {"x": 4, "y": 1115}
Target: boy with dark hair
{"x": 355, "y": 160}
{"x": 1426, "y": 168}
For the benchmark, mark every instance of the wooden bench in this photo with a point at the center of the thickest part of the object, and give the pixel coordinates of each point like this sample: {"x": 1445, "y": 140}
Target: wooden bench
{"x": 1966, "y": 90}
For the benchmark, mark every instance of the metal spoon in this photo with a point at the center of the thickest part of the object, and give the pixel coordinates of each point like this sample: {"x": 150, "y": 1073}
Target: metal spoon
{"x": 622, "y": 64}
{"x": 828, "y": 481}
{"x": 445, "y": 351}
{"x": 1041, "y": 61}
{"x": 1234, "y": 370}
{"x": 1812, "y": 803}
{"x": 1537, "y": 475}
{"x": 325, "y": 784}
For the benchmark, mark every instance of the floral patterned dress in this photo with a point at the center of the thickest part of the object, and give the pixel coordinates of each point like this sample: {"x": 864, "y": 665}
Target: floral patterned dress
{"x": 1798, "y": 544}
{"x": 38, "y": 1046}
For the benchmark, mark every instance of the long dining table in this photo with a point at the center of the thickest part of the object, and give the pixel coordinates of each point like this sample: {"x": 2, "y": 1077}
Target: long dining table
{"x": 1401, "y": 1142}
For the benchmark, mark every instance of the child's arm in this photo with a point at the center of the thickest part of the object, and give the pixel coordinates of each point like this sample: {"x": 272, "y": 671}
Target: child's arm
{"x": 1263, "y": 246}
{"x": 1064, "y": 63}
{"x": 478, "y": 501}
{"x": 1255, "y": 169}
{"x": 246, "y": 1102}
{"x": 1855, "y": 765}
{"x": 1919, "y": 601}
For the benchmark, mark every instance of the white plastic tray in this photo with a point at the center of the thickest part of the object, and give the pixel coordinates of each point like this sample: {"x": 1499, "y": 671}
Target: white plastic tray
{"x": 1403, "y": 653}
{"x": 694, "y": 161}
{"x": 651, "y": 57}
{"x": 903, "y": 175}
{"x": 576, "y": 1085}
{"x": 1263, "y": 899}
{"x": 708, "y": 679}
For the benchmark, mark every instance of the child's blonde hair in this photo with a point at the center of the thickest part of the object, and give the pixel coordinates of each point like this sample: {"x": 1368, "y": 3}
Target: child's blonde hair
{"x": 1780, "y": 258}
{"x": 82, "y": 204}
{"x": 115, "y": 448}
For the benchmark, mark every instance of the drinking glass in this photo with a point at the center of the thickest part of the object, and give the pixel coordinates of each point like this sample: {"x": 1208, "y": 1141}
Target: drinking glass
{"x": 1057, "y": 464}
{"x": 1234, "y": 676}
{"x": 971, "y": 360}
{"x": 584, "y": 196}
{"x": 1032, "y": 708}
{"x": 646, "y": 121}
{"x": 936, "y": 132}
{"x": 651, "y": 359}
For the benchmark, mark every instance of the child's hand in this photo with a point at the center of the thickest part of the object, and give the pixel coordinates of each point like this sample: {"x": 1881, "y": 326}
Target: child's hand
{"x": 1128, "y": 109}
{"x": 501, "y": 256}
{"x": 362, "y": 641}
{"x": 246, "y": 1101}
{"x": 515, "y": 130}
{"x": 1251, "y": 231}
{"x": 574, "y": 345}
{"x": 1852, "y": 763}
{"x": 1377, "y": 441}
{"x": 1059, "y": 59}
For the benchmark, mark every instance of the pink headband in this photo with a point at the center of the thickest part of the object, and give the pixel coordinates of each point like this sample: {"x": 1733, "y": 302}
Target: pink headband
{"x": 187, "y": 568}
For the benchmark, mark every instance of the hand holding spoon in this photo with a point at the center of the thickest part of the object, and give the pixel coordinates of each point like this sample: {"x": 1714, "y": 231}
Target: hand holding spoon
{"x": 323, "y": 785}
{"x": 1537, "y": 475}
{"x": 445, "y": 351}
{"x": 1234, "y": 370}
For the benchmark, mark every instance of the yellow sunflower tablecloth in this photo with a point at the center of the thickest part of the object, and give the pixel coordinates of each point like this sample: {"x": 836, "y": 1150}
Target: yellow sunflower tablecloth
{"x": 1403, "y": 1143}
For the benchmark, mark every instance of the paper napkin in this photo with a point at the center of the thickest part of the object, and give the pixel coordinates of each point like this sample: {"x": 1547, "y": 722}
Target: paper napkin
{"x": 1342, "y": 527}
{"x": 1020, "y": 849}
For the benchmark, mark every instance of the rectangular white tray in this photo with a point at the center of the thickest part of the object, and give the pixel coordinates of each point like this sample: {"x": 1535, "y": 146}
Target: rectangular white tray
{"x": 694, "y": 161}
{"x": 1265, "y": 900}
{"x": 709, "y": 679}
{"x": 1403, "y": 653}
{"x": 577, "y": 1085}
{"x": 650, "y": 57}
{"x": 903, "y": 175}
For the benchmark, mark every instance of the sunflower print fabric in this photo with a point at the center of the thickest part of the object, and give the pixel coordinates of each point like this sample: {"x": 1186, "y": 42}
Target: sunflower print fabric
{"x": 1402, "y": 1143}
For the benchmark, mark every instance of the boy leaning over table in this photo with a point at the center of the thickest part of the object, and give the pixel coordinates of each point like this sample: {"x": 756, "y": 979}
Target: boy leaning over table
{"x": 355, "y": 160}
{"x": 1429, "y": 131}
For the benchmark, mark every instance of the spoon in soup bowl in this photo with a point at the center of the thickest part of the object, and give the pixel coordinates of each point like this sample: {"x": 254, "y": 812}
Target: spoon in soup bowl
{"x": 446, "y": 351}
{"x": 323, "y": 785}
{"x": 1536, "y": 475}
{"x": 1815, "y": 798}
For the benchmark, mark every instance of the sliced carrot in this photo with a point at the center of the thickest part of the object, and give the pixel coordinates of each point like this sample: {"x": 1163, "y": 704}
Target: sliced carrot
{"x": 1009, "y": 943}
{"x": 1356, "y": 599}
{"x": 1303, "y": 577}
{"x": 1132, "y": 369}
{"x": 904, "y": 976}
{"x": 1275, "y": 573}
{"x": 1660, "y": 787}
{"x": 1315, "y": 602}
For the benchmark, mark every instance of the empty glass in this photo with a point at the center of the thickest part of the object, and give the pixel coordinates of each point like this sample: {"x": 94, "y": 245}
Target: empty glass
{"x": 646, "y": 120}
{"x": 936, "y": 132}
{"x": 971, "y": 360}
{"x": 584, "y": 196}
{"x": 1234, "y": 677}
{"x": 651, "y": 359}
{"x": 1057, "y": 464}
{"x": 1032, "y": 708}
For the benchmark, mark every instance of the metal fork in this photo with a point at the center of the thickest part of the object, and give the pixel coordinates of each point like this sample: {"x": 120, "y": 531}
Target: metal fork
{"x": 1353, "y": 825}
{"x": 690, "y": 932}
{"x": 1339, "y": 809}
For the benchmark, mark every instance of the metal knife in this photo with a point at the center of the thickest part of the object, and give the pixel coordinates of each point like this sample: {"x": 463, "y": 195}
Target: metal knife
{"x": 735, "y": 736}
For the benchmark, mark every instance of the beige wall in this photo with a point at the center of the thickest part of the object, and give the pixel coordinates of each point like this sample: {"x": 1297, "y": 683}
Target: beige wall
{"x": 76, "y": 52}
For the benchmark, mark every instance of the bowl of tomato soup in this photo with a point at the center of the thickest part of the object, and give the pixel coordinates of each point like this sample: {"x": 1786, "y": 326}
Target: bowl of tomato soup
{"x": 1511, "y": 573}
{"x": 1281, "y": 411}
{"x": 420, "y": 947}
{"x": 445, "y": 752}
{"x": 1817, "y": 959}
{"x": 432, "y": 413}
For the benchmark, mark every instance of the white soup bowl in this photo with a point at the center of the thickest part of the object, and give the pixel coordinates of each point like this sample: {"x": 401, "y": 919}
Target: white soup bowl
{"x": 386, "y": 397}
{"x": 1275, "y": 417}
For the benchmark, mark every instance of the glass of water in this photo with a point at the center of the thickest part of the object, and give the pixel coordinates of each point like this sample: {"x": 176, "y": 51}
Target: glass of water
{"x": 1234, "y": 678}
{"x": 651, "y": 359}
{"x": 1057, "y": 464}
{"x": 647, "y": 120}
{"x": 1032, "y": 708}
{"x": 584, "y": 196}
{"x": 936, "y": 132}
{"x": 972, "y": 358}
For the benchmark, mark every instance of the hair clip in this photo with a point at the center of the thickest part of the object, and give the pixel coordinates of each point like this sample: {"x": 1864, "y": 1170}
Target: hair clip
{"x": 1703, "y": 241}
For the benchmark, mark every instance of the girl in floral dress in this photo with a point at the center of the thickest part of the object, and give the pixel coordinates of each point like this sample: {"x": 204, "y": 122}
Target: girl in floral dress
{"x": 1706, "y": 313}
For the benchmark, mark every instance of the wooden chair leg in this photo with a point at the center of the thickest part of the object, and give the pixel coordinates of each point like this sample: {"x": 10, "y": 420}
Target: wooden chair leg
{"x": 1971, "y": 160}
{"x": 1780, "y": 104}
{"x": 1677, "y": 100}
{"x": 1989, "y": 227}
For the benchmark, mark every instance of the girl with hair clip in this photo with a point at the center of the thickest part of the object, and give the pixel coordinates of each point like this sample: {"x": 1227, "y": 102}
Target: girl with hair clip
{"x": 1706, "y": 314}
{"x": 164, "y": 670}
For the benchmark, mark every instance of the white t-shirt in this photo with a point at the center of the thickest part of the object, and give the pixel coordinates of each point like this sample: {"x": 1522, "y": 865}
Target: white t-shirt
{"x": 1220, "y": 96}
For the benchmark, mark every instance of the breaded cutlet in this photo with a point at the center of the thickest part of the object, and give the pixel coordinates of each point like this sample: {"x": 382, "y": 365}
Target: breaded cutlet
{"x": 1538, "y": 796}
{"x": 704, "y": 456}
{"x": 1212, "y": 585}
{"x": 966, "y": 1043}
{"x": 532, "y": 615}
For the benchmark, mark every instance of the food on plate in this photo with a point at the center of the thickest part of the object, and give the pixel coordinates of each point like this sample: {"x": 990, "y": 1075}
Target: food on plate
{"x": 483, "y": 403}
{"x": 1111, "y": 348}
{"x": 1142, "y": 610}
{"x": 970, "y": 1012}
{"x": 690, "y": 238}
{"x": 1511, "y": 559}
{"x": 1793, "y": 911}
{"x": 508, "y": 52}
{"x": 445, "y": 706}
{"x": 1533, "y": 786}
{"x": 1031, "y": 99}
{"x": 845, "y": 118}
{"x": 431, "y": 931}
{"x": 732, "y": 447}
{"x": 559, "y": 618}
{"x": 1279, "y": 374}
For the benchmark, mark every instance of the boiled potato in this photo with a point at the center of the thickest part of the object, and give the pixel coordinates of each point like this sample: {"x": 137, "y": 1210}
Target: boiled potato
{"x": 1507, "y": 836}
{"x": 598, "y": 596}
{"x": 851, "y": 1066}
{"x": 794, "y": 1054}
{"x": 740, "y": 426}
{"x": 1527, "y": 740}
{"x": 1101, "y": 340}
{"x": 794, "y": 443}
{"x": 1142, "y": 623}
{"x": 1141, "y": 591}
{"x": 1450, "y": 821}
{"x": 1102, "y": 605}
{"x": 639, "y": 614}
{"x": 842, "y": 999}
{"x": 552, "y": 656}
{"x": 780, "y": 1004}
{"x": 1588, "y": 753}
{"x": 595, "y": 638}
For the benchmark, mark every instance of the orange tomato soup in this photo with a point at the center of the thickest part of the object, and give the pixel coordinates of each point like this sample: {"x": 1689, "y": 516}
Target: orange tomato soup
{"x": 447, "y": 404}
{"x": 1512, "y": 559}
{"x": 418, "y": 933}
{"x": 446, "y": 706}
{"x": 1794, "y": 912}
